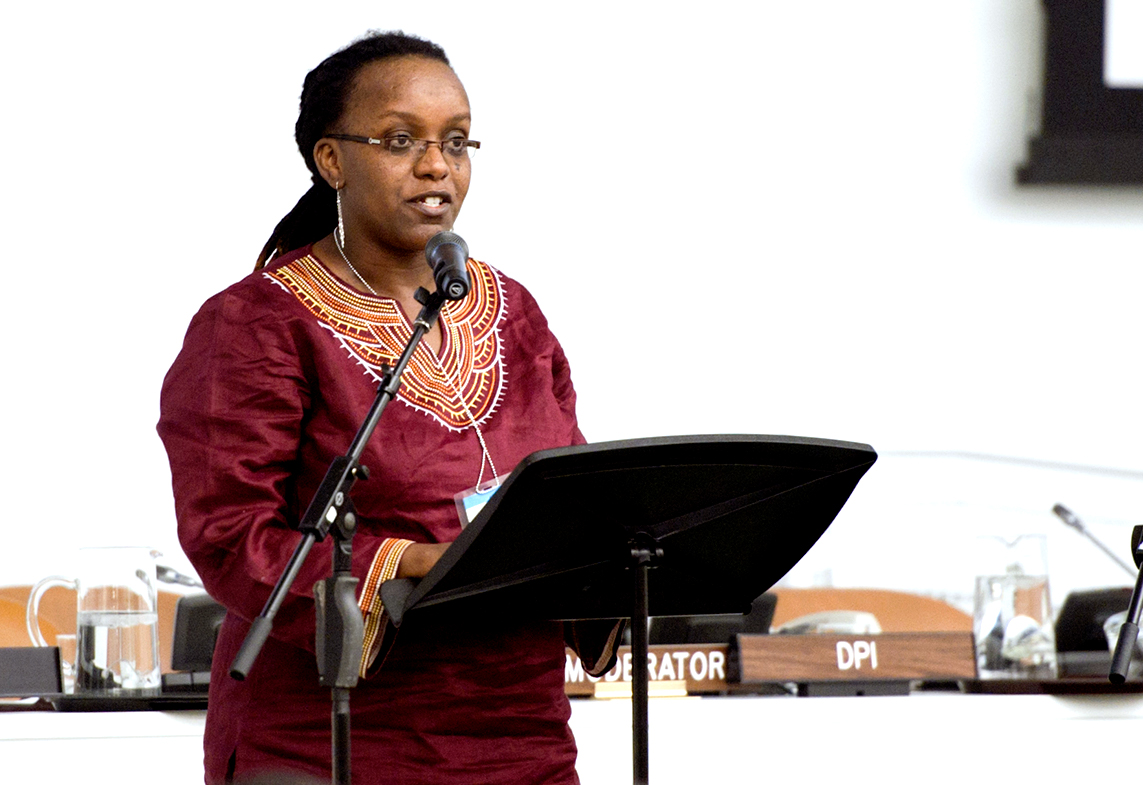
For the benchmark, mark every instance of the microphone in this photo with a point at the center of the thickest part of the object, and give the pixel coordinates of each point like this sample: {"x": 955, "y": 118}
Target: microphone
{"x": 447, "y": 255}
{"x": 1072, "y": 520}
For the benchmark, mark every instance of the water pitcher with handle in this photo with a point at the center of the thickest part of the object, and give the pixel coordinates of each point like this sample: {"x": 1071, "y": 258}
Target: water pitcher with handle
{"x": 117, "y": 620}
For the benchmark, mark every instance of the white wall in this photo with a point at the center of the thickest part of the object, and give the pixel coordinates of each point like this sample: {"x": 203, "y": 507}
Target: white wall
{"x": 1123, "y": 52}
{"x": 792, "y": 218}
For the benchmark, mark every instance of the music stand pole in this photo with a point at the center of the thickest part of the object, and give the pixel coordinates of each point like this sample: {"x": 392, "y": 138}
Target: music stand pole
{"x": 643, "y": 556}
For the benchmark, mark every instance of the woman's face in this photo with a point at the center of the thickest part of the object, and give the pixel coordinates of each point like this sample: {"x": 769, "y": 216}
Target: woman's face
{"x": 398, "y": 202}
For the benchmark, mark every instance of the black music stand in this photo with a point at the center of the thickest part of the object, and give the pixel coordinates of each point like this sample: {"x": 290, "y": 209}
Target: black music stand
{"x": 575, "y": 531}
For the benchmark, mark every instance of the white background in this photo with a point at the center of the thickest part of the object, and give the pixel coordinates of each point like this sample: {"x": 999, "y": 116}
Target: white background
{"x": 768, "y": 217}
{"x": 1123, "y": 34}
{"x": 690, "y": 739}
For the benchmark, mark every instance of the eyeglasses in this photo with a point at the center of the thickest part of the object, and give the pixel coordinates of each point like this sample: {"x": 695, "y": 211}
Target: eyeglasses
{"x": 400, "y": 146}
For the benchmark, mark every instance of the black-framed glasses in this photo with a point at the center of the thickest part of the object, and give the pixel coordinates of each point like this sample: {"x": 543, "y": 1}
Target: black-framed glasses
{"x": 400, "y": 145}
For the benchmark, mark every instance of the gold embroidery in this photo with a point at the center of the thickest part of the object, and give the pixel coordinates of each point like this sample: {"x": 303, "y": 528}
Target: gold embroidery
{"x": 374, "y": 331}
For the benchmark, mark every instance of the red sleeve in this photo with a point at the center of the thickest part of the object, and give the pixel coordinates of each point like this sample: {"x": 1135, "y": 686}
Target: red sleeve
{"x": 565, "y": 392}
{"x": 232, "y": 412}
{"x": 545, "y": 347}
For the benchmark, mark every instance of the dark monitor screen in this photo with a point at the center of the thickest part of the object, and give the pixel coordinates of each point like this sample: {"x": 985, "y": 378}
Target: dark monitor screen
{"x": 1091, "y": 131}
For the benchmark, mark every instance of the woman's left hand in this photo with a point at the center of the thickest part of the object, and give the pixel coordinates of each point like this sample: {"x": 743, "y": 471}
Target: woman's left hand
{"x": 419, "y": 558}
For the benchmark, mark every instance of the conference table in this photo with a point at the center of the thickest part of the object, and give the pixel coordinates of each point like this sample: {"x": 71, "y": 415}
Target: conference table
{"x": 927, "y": 737}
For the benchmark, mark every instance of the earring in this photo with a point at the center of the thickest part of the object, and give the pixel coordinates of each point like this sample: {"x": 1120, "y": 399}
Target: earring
{"x": 340, "y": 223}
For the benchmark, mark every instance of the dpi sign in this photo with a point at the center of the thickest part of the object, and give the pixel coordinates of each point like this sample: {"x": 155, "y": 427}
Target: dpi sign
{"x": 852, "y": 655}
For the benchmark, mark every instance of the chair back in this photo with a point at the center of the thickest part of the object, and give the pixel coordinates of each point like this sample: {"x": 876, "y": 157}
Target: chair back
{"x": 896, "y": 611}
{"x": 57, "y": 617}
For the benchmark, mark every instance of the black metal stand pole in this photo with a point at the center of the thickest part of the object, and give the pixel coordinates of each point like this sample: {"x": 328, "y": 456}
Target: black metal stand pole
{"x": 642, "y": 555}
{"x": 342, "y": 769}
{"x": 340, "y": 628}
{"x": 339, "y": 641}
{"x": 1129, "y": 632}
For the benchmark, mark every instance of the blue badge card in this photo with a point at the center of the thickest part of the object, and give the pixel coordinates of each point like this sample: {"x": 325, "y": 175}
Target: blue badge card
{"x": 469, "y": 503}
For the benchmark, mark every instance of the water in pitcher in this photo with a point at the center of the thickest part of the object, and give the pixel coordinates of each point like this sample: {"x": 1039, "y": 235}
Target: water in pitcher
{"x": 117, "y": 650}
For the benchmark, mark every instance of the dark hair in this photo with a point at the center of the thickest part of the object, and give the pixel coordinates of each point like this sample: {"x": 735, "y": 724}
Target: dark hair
{"x": 325, "y": 93}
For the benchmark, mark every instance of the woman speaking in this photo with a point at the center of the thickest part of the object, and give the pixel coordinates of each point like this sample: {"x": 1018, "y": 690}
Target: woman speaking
{"x": 274, "y": 378}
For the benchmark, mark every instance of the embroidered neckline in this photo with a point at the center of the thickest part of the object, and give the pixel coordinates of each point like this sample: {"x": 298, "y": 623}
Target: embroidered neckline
{"x": 374, "y": 330}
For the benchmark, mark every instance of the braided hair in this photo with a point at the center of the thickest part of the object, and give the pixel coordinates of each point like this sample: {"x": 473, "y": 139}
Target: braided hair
{"x": 324, "y": 95}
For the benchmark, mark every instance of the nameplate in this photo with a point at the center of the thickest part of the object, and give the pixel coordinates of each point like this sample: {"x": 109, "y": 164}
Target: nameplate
{"x": 672, "y": 669}
{"x": 813, "y": 657}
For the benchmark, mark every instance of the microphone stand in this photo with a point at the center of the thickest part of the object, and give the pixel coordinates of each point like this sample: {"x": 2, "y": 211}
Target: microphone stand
{"x": 1129, "y": 632}
{"x": 1070, "y": 518}
{"x": 340, "y": 633}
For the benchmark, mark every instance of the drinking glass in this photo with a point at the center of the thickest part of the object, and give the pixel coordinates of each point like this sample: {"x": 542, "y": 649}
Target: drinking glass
{"x": 1012, "y": 609}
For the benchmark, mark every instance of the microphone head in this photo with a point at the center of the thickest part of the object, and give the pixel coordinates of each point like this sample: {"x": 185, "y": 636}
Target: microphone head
{"x": 1067, "y": 516}
{"x": 447, "y": 256}
{"x": 433, "y": 249}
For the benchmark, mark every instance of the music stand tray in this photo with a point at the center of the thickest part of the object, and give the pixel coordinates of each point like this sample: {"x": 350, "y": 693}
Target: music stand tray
{"x": 732, "y": 515}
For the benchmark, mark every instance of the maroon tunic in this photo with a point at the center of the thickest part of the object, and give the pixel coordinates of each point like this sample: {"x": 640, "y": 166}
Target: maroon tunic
{"x": 274, "y": 378}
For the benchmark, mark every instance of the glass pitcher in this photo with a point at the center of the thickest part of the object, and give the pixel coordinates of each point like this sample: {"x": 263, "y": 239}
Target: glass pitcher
{"x": 117, "y": 619}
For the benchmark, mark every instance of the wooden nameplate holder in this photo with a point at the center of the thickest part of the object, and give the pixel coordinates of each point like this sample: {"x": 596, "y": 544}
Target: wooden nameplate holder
{"x": 672, "y": 669}
{"x": 812, "y": 658}
{"x": 908, "y": 656}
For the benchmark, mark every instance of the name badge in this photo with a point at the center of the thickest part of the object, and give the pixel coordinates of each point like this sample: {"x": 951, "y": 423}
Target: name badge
{"x": 469, "y": 503}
